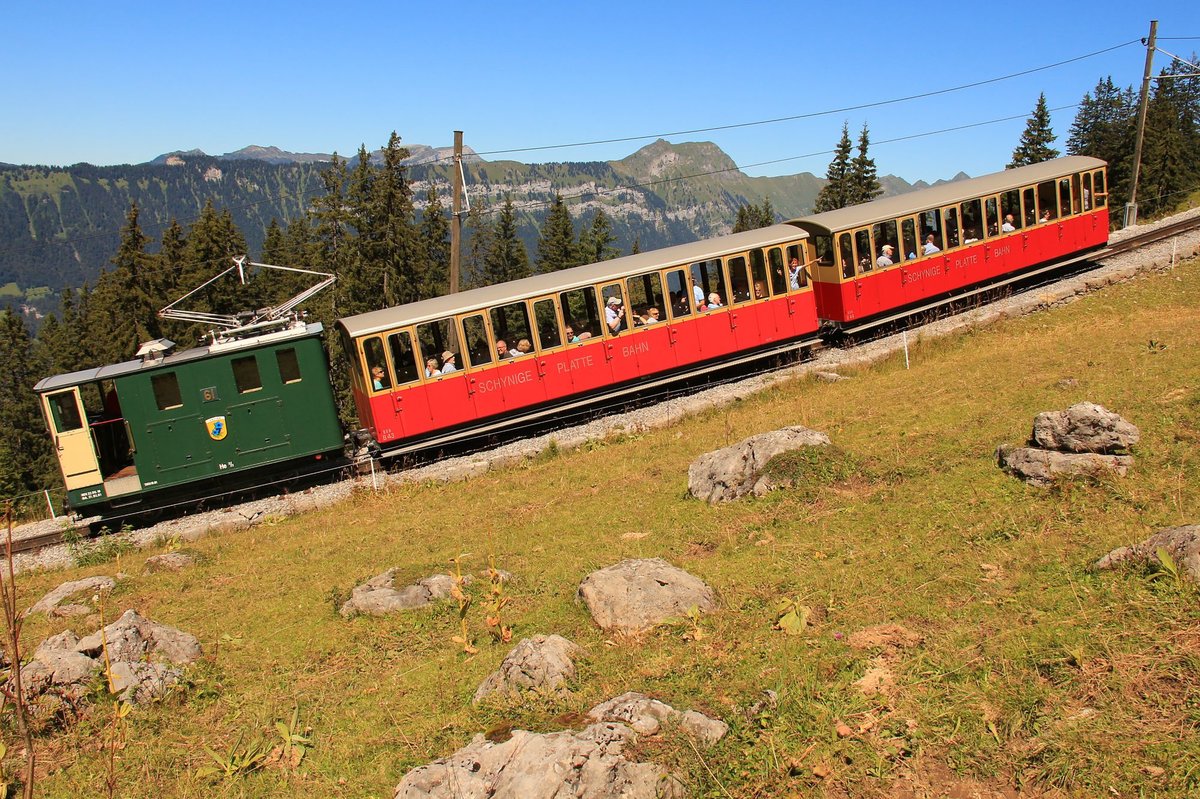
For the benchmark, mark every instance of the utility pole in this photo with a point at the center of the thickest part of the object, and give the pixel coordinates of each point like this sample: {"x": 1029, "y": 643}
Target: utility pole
{"x": 456, "y": 215}
{"x": 1143, "y": 104}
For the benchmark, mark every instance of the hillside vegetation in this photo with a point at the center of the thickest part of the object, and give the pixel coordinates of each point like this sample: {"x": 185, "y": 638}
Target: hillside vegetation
{"x": 1034, "y": 670}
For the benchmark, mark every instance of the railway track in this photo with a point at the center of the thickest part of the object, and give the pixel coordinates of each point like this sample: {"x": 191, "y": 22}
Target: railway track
{"x": 490, "y": 435}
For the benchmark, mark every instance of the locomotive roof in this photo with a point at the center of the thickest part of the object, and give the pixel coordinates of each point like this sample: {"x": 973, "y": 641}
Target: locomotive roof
{"x": 945, "y": 194}
{"x": 116, "y": 370}
{"x": 566, "y": 279}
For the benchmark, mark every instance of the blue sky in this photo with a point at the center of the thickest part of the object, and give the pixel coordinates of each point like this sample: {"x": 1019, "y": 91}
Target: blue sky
{"x": 112, "y": 83}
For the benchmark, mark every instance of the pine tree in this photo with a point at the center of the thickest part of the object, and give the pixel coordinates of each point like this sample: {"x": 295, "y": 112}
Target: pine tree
{"x": 766, "y": 213}
{"x": 172, "y": 255}
{"x": 1104, "y": 128}
{"x": 836, "y": 191}
{"x": 26, "y": 460}
{"x": 506, "y": 259}
{"x": 597, "y": 240}
{"x": 1036, "y": 139}
{"x": 123, "y": 314}
{"x": 863, "y": 180}
{"x": 479, "y": 235}
{"x": 742, "y": 222}
{"x": 435, "y": 245}
{"x": 394, "y": 230}
{"x": 556, "y": 244}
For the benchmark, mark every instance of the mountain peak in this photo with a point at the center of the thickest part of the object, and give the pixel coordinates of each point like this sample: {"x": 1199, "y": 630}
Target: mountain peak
{"x": 661, "y": 157}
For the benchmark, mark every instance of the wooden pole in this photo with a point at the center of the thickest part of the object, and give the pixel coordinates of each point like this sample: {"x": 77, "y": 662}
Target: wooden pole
{"x": 456, "y": 215}
{"x": 1143, "y": 103}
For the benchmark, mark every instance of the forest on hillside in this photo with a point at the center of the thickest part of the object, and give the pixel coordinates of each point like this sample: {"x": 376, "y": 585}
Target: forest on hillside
{"x": 366, "y": 221}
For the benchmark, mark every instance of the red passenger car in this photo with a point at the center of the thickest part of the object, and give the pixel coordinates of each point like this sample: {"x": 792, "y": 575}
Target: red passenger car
{"x": 880, "y": 258}
{"x": 495, "y": 355}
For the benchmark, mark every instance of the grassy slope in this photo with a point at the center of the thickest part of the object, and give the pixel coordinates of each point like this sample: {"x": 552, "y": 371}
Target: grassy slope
{"x": 1034, "y": 670}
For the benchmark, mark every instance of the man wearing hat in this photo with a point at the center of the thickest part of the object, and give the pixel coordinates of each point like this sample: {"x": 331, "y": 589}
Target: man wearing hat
{"x": 614, "y": 315}
{"x": 448, "y": 363}
{"x": 885, "y": 256}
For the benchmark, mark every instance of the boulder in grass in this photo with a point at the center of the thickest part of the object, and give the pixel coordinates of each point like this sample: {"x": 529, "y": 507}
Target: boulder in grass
{"x": 543, "y": 664}
{"x": 635, "y": 595}
{"x": 49, "y": 604}
{"x": 1084, "y": 427}
{"x": 646, "y": 716}
{"x": 133, "y": 638}
{"x": 169, "y": 562}
{"x": 379, "y": 595}
{"x": 733, "y": 472}
{"x": 589, "y": 764}
{"x": 1182, "y": 544}
{"x": 1042, "y": 466}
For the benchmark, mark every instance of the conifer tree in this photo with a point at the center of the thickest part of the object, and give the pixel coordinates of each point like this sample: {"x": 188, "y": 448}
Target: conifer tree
{"x": 863, "y": 180}
{"x": 172, "y": 255}
{"x": 596, "y": 241}
{"x": 394, "y": 230}
{"x": 556, "y": 244}
{"x": 507, "y": 258}
{"x": 742, "y": 222}
{"x": 480, "y": 232}
{"x": 435, "y": 245}
{"x": 1104, "y": 127}
{"x": 836, "y": 191}
{"x": 1036, "y": 139}
{"x": 26, "y": 460}
{"x": 122, "y": 311}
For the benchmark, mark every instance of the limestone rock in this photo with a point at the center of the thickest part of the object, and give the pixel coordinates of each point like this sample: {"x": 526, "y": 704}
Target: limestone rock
{"x": 90, "y": 585}
{"x": 133, "y": 638}
{"x": 56, "y": 663}
{"x": 1181, "y": 543}
{"x": 169, "y": 562}
{"x": 142, "y": 682}
{"x": 646, "y": 716}
{"x": 544, "y": 663}
{"x": 1042, "y": 466}
{"x": 635, "y": 595}
{"x": 1084, "y": 427}
{"x": 729, "y": 473}
{"x": 588, "y": 764}
{"x": 379, "y": 595}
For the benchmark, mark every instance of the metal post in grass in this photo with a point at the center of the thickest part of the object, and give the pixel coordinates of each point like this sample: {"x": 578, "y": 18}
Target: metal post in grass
{"x": 904, "y": 338}
{"x": 374, "y": 482}
{"x": 50, "y": 505}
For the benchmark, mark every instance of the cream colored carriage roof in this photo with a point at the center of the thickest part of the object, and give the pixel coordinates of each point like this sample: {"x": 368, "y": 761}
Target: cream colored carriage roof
{"x": 540, "y": 285}
{"x": 945, "y": 194}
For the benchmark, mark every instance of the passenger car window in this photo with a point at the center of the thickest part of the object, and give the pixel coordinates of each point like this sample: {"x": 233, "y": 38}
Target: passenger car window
{"x": 779, "y": 278}
{"x": 680, "y": 294}
{"x": 862, "y": 243}
{"x": 403, "y": 357}
{"x": 1029, "y": 203}
{"x": 758, "y": 275}
{"x": 885, "y": 234}
{"x": 245, "y": 374}
{"x": 992, "y": 215}
{"x": 616, "y": 316}
{"x": 1047, "y": 202}
{"x": 545, "y": 317}
{"x": 1010, "y": 204}
{"x": 1101, "y": 194}
{"x": 908, "y": 234}
{"x": 709, "y": 279}
{"x": 379, "y": 376}
{"x": 739, "y": 281}
{"x": 580, "y": 312}
{"x": 951, "y": 230}
{"x": 645, "y": 292}
{"x": 930, "y": 223}
{"x": 510, "y": 323}
{"x": 436, "y": 338}
{"x": 846, "y": 255}
{"x": 972, "y": 221}
{"x": 479, "y": 343}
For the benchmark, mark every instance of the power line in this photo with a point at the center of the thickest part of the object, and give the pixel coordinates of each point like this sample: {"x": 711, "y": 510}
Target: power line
{"x": 812, "y": 114}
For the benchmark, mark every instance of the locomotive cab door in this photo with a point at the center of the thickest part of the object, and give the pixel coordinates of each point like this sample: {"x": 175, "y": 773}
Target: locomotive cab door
{"x": 72, "y": 438}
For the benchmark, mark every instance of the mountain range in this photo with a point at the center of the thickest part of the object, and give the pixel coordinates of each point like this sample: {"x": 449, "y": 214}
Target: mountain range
{"x": 59, "y": 226}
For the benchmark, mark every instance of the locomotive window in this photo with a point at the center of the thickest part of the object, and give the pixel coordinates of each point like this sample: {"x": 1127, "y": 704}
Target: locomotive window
{"x": 885, "y": 233}
{"x": 289, "y": 366}
{"x": 846, "y": 255}
{"x": 908, "y": 234}
{"x": 1101, "y": 194}
{"x": 779, "y": 280}
{"x": 1087, "y": 191}
{"x": 402, "y": 357}
{"x": 479, "y": 343}
{"x": 758, "y": 275}
{"x": 1064, "y": 196}
{"x": 862, "y": 242}
{"x": 245, "y": 374}
{"x": 545, "y": 317}
{"x": 931, "y": 225}
{"x": 436, "y": 338}
{"x": 580, "y": 311}
{"x": 739, "y": 282}
{"x": 166, "y": 391}
{"x": 510, "y": 323}
{"x": 65, "y": 410}
{"x": 681, "y": 295}
{"x": 1030, "y": 205}
{"x": 972, "y": 221}
{"x": 708, "y": 279}
{"x": 379, "y": 375}
{"x": 1010, "y": 204}
{"x": 645, "y": 292}
{"x": 951, "y": 229}
{"x": 992, "y": 212}
{"x": 1047, "y": 205}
